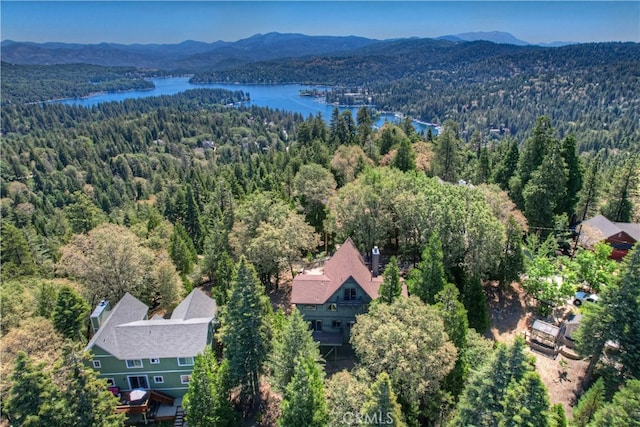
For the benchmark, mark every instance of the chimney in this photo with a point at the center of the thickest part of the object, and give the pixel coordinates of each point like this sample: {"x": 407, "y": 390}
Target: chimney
{"x": 375, "y": 261}
{"x": 98, "y": 314}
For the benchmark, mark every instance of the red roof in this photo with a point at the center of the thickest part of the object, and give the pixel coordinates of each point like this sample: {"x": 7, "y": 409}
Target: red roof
{"x": 310, "y": 288}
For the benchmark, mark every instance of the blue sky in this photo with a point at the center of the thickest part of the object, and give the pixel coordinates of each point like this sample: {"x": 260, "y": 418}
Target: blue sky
{"x": 208, "y": 21}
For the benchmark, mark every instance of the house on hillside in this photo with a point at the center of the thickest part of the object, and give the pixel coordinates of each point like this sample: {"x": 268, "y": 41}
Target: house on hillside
{"x": 133, "y": 352}
{"x": 330, "y": 298}
{"x": 620, "y": 235}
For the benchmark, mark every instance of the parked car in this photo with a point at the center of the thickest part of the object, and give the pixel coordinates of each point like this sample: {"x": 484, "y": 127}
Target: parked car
{"x": 581, "y": 297}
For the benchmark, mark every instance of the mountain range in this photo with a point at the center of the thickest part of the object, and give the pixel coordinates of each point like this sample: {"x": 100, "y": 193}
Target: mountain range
{"x": 194, "y": 55}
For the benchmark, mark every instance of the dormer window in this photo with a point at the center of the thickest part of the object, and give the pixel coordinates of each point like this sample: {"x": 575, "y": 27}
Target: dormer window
{"x": 349, "y": 294}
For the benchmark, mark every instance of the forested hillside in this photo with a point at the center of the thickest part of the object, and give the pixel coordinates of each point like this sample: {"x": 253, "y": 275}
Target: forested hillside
{"x": 155, "y": 196}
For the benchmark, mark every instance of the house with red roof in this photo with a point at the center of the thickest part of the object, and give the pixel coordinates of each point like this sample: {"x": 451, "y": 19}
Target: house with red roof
{"x": 620, "y": 235}
{"x": 330, "y": 298}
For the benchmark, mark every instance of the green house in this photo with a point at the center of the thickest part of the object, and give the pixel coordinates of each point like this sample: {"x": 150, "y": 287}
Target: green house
{"x": 330, "y": 298}
{"x": 133, "y": 352}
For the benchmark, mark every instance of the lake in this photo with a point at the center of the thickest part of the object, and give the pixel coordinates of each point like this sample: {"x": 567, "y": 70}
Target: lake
{"x": 281, "y": 97}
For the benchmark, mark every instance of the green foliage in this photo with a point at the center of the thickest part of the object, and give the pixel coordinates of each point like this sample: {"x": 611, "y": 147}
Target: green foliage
{"x": 512, "y": 259}
{"x": 456, "y": 325}
{"x": 428, "y": 278}
{"x": 483, "y": 401}
{"x": 245, "y": 331}
{"x": 83, "y": 215}
{"x": 207, "y": 400}
{"x": 589, "y": 404}
{"x": 619, "y": 208}
{"x": 294, "y": 341}
{"x": 593, "y": 268}
{"x": 181, "y": 249}
{"x": 379, "y": 339}
{"x": 526, "y": 402}
{"x": 70, "y": 314}
{"x": 589, "y": 197}
{"x": 447, "y": 152}
{"x": 475, "y": 302}
{"x": 346, "y": 395}
{"x": 17, "y": 258}
{"x": 557, "y": 417}
{"x": 391, "y": 287}
{"x": 574, "y": 174}
{"x": 623, "y": 410}
{"x": 405, "y": 156}
{"x": 313, "y": 185}
{"x": 304, "y": 401}
{"x": 382, "y": 407}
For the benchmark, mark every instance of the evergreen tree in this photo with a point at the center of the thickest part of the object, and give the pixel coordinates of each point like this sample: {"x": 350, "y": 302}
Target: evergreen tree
{"x": 574, "y": 175}
{"x": 476, "y": 304}
{"x": 589, "y": 197}
{"x": 447, "y": 152}
{"x": 17, "y": 258}
{"x": 391, "y": 287}
{"x": 293, "y": 342}
{"x": 69, "y": 313}
{"x": 619, "y": 208}
{"x": 589, "y": 404}
{"x": 364, "y": 125}
{"x": 181, "y": 249}
{"x": 456, "y": 325}
{"x": 90, "y": 404}
{"x": 30, "y": 387}
{"x": 483, "y": 168}
{"x": 535, "y": 149}
{"x": 557, "y": 417}
{"x": 623, "y": 410}
{"x": 544, "y": 193}
{"x": 192, "y": 223}
{"x": 525, "y": 403}
{"x": 512, "y": 260}
{"x": 207, "y": 400}
{"x": 304, "y": 402}
{"x": 428, "y": 278}
{"x": 507, "y": 166}
{"x": 405, "y": 157}
{"x": 245, "y": 331}
{"x": 382, "y": 407}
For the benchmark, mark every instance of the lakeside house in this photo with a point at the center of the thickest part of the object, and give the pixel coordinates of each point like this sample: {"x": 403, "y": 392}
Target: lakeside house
{"x": 133, "y": 352}
{"x": 331, "y": 297}
{"x": 620, "y": 235}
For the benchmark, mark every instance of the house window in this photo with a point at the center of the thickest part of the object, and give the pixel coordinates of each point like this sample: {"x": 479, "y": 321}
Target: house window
{"x": 97, "y": 364}
{"x": 333, "y": 307}
{"x": 111, "y": 382}
{"x": 138, "y": 382}
{"x": 349, "y": 294}
{"x": 336, "y": 324}
{"x": 136, "y": 363}
{"x": 184, "y": 379}
{"x": 310, "y": 307}
{"x": 158, "y": 379}
{"x": 185, "y": 361}
{"x": 317, "y": 325}
{"x": 154, "y": 361}
{"x": 351, "y": 323}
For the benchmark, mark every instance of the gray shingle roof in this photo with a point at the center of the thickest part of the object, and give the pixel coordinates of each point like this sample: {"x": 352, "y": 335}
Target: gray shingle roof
{"x": 127, "y": 334}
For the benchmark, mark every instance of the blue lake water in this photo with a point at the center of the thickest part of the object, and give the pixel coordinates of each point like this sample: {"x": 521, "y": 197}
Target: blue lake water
{"x": 281, "y": 97}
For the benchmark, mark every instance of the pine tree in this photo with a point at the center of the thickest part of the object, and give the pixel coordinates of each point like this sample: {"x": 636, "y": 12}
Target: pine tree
{"x": 304, "y": 401}
{"x": 90, "y": 404}
{"x": 69, "y": 313}
{"x": 244, "y": 331}
{"x": 483, "y": 169}
{"x": 574, "y": 174}
{"x": 456, "y": 325}
{"x": 526, "y": 403}
{"x": 29, "y": 384}
{"x": 507, "y": 166}
{"x": 181, "y": 249}
{"x": 364, "y": 125}
{"x": 622, "y": 411}
{"x": 15, "y": 254}
{"x": 207, "y": 400}
{"x": 590, "y": 194}
{"x": 619, "y": 208}
{"x": 192, "y": 222}
{"x": 294, "y": 341}
{"x": 557, "y": 417}
{"x": 428, "y": 278}
{"x": 476, "y": 304}
{"x": 512, "y": 261}
{"x": 447, "y": 152}
{"x": 544, "y": 193}
{"x": 382, "y": 407}
{"x": 405, "y": 157}
{"x": 589, "y": 404}
{"x": 391, "y": 287}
